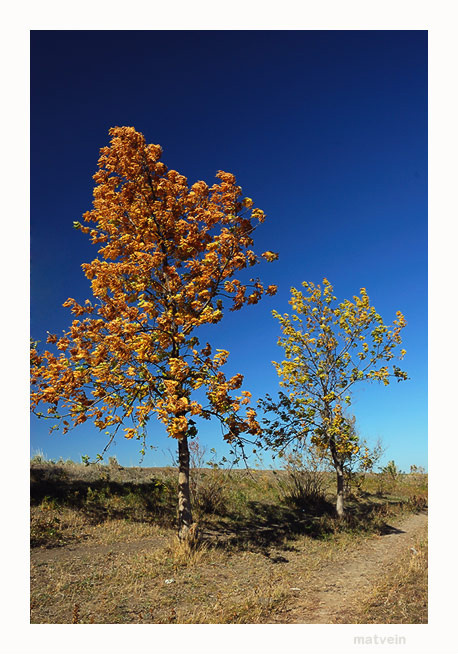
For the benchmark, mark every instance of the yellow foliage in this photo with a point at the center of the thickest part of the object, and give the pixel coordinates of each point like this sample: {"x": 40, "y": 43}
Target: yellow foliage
{"x": 321, "y": 365}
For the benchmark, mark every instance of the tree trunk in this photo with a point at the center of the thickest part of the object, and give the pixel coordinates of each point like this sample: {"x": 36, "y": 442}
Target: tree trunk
{"x": 340, "y": 492}
{"x": 340, "y": 479}
{"x": 184, "y": 496}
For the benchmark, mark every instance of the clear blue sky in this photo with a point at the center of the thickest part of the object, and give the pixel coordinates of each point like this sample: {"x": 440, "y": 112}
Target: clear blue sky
{"x": 326, "y": 131}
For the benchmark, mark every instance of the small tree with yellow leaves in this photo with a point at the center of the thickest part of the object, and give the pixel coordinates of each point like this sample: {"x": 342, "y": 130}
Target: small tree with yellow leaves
{"x": 170, "y": 257}
{"x": 329, "y": 348}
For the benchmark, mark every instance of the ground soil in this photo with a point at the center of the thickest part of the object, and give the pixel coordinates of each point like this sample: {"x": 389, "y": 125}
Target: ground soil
{"x": 335, "y": 592}
{"x": 326, "y": 592}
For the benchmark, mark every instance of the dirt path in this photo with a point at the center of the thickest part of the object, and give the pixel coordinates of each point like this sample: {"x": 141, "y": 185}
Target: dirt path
{"x": 78, "y": 551}
{"x": 319, "y": 581}
{"x": 334, "y": 589}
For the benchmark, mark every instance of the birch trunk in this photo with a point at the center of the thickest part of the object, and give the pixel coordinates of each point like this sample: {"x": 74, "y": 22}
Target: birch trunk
{"x": 340, "y": 492}
{"x": 184, "y": 496}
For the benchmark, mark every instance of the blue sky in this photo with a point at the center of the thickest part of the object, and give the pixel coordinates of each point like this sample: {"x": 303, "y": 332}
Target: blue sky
{"x": 326, "y": 131}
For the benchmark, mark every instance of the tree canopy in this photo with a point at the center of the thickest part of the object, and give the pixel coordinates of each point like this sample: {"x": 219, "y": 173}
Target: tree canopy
{"x": 169, "y": 258}
{"x": 329, "y": 347}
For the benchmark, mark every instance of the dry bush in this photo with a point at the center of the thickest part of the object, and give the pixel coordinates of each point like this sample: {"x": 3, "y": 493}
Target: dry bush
{"x": 190, "y": 551}
{"x": 208, "y": 486}
{"x": 45, "y": 528}
{"x": 417, "y": 502}
{"x": 303, "y": 481}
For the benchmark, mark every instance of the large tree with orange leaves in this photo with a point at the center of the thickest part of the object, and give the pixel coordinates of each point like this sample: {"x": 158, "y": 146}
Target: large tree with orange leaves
{"x": 168, "y": 259}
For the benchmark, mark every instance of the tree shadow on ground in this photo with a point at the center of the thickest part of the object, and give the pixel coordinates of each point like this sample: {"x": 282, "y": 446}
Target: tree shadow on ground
{"x": 369, "y": 516}
{"x": 99, "y": 499}
{"x": 266, "y": 525}
{"x": 254, "y": 526}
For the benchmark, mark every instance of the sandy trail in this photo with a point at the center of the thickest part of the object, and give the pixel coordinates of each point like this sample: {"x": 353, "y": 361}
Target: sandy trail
{"x": 336, "y": 588}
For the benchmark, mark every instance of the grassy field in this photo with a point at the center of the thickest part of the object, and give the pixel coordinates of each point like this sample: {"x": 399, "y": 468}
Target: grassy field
{"x": 104, "y": 545}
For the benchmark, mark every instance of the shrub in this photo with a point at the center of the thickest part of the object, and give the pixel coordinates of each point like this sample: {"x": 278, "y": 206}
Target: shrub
{"x": 304, "y": 479}
{"x": 210, "y": 495}
{"x": 417, "y": 503}
{"x": 208, "y": 486}
{"x": 45, "y": 525}
{"x": 389, "y": 479}
{"x": 391, "y": 471}
{"x": 38, "y": 458}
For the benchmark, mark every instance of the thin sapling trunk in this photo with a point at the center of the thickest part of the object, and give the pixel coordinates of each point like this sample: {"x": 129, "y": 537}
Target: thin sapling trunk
{"x": 340, "y": 492}
{"x": 184, "y": 495}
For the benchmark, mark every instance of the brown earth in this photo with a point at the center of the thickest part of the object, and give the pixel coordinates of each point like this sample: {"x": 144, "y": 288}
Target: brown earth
{"x": 320, "y": 583}
{"x": 338, "y": 589}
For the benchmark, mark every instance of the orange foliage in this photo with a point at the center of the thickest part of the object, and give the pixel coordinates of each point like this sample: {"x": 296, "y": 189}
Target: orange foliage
{"x": 168, "y": 254}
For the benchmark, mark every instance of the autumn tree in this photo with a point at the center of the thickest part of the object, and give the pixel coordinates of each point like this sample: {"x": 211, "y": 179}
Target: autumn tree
{"x": 169, "y": 254}
{"x": 329, "y": 347}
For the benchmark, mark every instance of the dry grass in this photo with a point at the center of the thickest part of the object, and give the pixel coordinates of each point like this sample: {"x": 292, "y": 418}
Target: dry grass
{"x": 164, "y": 584}
{"x": 169, "y": 582}
{"x": 402, "y": 596}
{"x": 127, "y": 566}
